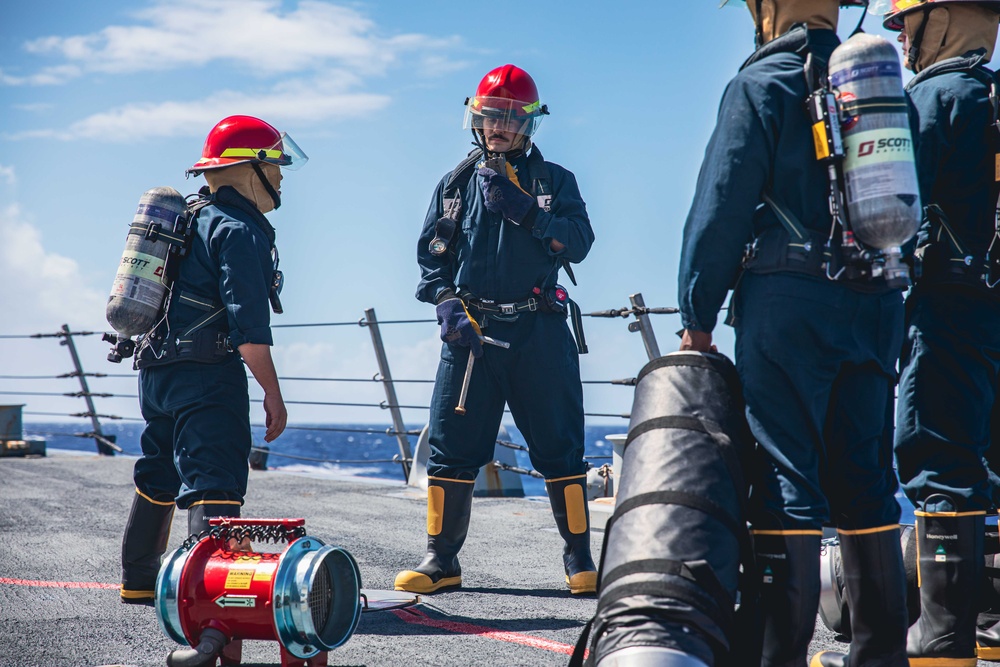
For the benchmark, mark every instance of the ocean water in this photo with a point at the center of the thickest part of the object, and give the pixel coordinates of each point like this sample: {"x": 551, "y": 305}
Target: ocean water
{"x": 354, "y": 449}
{"x": 358, "y": 449}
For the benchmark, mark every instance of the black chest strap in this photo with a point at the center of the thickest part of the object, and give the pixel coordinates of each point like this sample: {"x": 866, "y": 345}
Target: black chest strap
{"x": 444, "y": 228}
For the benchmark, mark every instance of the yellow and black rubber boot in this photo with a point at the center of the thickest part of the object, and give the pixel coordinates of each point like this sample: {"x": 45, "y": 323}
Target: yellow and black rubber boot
{"x": 568, "y": 497}
{"x": 988, "y": 621}
{"x": 949, "y": 573}
{"x": 143, "y": 545}
{"x": 449, "y": 506}
{"x": 988, "y": 638}
{"x": 787, "y": 564}
{"x": 875, "y": 587}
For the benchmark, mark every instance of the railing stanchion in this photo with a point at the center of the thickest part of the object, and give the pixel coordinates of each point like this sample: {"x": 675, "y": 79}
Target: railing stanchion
{"x": 643, "y": 326}
{"x": 390, "y": 392}
{"x": 102, "y": 441}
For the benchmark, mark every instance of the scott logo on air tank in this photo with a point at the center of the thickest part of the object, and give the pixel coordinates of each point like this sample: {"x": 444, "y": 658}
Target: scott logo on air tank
{"x": 135, "y": 262}
{"x": 889, "y": 144}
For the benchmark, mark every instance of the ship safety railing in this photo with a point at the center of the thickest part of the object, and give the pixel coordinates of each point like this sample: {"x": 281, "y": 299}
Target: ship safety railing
{"x": 106, "y": 443}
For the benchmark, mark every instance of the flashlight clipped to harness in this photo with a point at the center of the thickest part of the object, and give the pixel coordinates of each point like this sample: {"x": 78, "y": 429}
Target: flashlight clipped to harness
{"x": 211, "y": 597}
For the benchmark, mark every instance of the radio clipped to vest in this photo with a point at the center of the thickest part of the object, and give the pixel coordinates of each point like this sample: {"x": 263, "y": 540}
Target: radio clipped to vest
{"x": 862, "y": 136}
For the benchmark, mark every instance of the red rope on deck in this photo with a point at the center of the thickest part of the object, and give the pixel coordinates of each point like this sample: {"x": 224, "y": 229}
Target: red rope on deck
{"x": 57, "y": 584}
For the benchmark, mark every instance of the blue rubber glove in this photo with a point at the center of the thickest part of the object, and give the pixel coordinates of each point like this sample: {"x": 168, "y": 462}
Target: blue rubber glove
{"x": 502, "y": 196}
{"x": 458, "y": 327}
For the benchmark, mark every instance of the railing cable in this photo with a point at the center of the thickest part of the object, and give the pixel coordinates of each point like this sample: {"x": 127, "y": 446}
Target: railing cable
{"x": 271, "y": 452}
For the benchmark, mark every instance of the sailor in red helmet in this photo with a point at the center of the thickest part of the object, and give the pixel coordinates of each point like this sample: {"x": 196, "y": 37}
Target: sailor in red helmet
{"x": 500, "y": 227}
{"x": 192, "y": 381}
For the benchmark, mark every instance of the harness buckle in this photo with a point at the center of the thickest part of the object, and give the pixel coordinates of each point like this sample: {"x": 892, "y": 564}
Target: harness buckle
{"x": 508, "y": 308}
{"x": 750, "y": 253}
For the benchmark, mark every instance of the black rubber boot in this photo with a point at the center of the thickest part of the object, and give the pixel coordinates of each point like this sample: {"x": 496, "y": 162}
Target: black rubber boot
{"x": 988, "y": 621}
{"x": 568, "y": 498}
{"x": 950, "y": 574}
{"x": 202, "y": 511}
{"x": 875, "y": 588}
{"x": 449, "y": 506}
{"x": 143, "y": 545}
{"x": 988, "y": 637}
{"x": 788, "y": 567}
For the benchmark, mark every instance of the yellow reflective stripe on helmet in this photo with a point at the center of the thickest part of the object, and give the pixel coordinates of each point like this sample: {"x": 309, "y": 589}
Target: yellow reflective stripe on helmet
{"x": 251, "y": 152}
{"x": 900, "y": 5}
{"x": 534, "y": 106}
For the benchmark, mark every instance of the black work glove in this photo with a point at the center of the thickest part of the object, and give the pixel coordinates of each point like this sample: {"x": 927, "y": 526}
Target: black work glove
{"x": 458, "y": 327}
{"x": 502, "y": 196}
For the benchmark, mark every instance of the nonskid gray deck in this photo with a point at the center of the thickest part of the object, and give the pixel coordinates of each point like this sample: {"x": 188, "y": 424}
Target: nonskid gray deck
{"x": 61, "y": 520}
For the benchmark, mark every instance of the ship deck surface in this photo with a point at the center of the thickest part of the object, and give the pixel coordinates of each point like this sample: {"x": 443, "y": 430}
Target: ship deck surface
{"x": 61, "y": 521}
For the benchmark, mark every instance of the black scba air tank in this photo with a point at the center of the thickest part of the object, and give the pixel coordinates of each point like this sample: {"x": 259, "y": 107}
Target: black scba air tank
{"x": 141, "y": 283}
{"x": 880, "y": 176}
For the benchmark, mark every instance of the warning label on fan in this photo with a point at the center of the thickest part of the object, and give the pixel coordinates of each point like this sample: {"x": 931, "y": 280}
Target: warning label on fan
{"x": 239, "y": 578}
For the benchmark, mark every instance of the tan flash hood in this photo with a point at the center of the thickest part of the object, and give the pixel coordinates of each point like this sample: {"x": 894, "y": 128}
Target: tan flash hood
{"x": 244, "y": 180}
{"x": 952, "y": 30}
{"x": 778, "y": 16}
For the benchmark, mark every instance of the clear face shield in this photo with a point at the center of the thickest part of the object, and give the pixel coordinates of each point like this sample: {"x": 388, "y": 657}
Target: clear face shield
{"x": 286, "y": 154}
{"x": 882, "y": 7}
{"x": 503, "y": 115}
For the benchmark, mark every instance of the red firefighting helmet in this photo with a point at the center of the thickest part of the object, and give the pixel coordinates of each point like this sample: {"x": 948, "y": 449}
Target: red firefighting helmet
{"x": 239, "y": 139}
{"x": 893, "y": 11}
{"x": 509, "y": 97}
{"x": 843, "y": 3}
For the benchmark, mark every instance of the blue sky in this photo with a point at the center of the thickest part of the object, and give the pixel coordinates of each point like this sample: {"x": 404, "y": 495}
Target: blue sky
{"x": 100, "y": 101}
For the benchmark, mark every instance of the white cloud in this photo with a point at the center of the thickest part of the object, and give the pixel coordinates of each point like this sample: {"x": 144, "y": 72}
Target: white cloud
{"x": 33, "y": 107}
{"x": 290, "y": 102}
{"x": 48, "y": 76}
{"x": 42, "y": 289}
{"x": 256, "y": 34}
{"x": 7, "y": 174}
{"x": 308, "y": 64}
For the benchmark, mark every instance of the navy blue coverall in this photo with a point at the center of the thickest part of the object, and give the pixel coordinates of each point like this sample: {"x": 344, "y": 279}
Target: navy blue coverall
{"x": 816, "y": 357}
{"x": 539, "y": 376}
{"x": 193, "y": 384}
{"x": 951, "y": 361}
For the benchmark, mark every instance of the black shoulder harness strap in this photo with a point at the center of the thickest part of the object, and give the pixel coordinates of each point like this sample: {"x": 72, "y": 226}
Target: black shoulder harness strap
{"x": 171, "y": 267}
{"x": 444, "y": 228}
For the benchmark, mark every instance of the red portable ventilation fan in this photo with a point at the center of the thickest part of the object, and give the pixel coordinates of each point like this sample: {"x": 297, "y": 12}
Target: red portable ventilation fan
{"x": 211, "y": 597}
